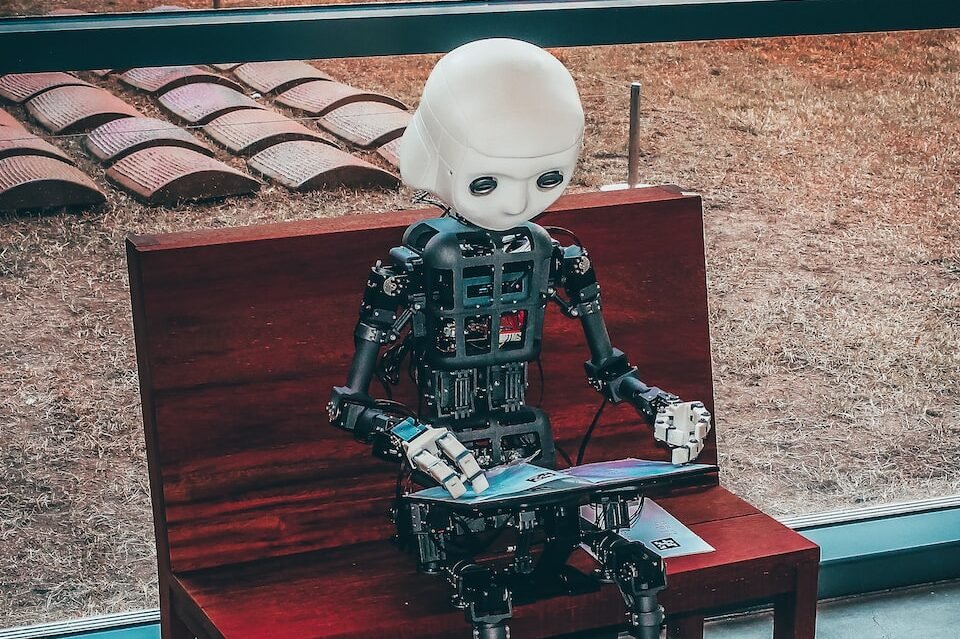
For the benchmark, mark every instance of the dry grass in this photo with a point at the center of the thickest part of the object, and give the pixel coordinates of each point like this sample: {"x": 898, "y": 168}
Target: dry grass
{"x": 830, "y": 172}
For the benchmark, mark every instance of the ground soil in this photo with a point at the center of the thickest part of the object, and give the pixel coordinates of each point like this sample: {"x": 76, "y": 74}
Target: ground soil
{"x": 829, "y": 169}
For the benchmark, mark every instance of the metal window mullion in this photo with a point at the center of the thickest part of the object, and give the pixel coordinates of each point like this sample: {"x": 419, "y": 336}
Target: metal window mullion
{"x": 185, "y": 37}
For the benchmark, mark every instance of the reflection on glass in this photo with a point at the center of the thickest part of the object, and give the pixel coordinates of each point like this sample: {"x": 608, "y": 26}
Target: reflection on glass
{"x": 75, "y": 7}
{"x": 829, "y": 169}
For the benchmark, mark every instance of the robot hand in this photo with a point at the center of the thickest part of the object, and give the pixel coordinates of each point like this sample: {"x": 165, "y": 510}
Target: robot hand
{"x": 683, "y": 427}
{"x": 436, "y": 452}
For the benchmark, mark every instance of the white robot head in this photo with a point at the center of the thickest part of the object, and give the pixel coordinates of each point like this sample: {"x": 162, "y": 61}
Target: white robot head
{"x": 497, "y": 132}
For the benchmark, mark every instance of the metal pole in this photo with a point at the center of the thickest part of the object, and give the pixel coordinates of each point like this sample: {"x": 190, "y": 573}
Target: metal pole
{"x": 633, "y": 156}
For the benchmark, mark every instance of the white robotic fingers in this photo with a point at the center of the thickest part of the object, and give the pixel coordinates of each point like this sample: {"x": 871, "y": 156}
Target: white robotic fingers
{"x": 440, "y": 471}
{"x": 465, "y": 461}
{"x": 684, "y": 428}
{"x": 438, "y": 453}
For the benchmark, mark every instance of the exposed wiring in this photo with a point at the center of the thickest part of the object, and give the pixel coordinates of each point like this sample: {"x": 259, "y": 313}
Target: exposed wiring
{"x": 564, "y": 454}
{"x": 425, "y": 197}
{"x": 401, "y": 472}
{"x": 390, "y": 406}
{"x": 586, "y": 438}
{"x": 386, "y": 387}
{"x": 483, "y": 545}
{"x": 540, "y": 369}
{"x": 563, "y": 231}
{"x": 565, "y": 306}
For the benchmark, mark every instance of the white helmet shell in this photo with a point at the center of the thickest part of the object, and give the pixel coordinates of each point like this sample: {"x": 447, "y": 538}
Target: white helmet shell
{"x": 497, "y": 133}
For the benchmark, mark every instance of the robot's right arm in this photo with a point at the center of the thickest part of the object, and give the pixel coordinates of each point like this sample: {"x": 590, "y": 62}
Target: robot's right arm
{"x": 384, "y": 312}
{"x": 393, "y": 295}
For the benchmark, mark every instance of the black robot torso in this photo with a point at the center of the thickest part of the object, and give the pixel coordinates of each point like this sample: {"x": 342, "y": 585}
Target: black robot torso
{"x": 484, "y": 295}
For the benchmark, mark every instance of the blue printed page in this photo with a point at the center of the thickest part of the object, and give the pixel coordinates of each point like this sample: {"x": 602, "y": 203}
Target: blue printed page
{"x": 630, "y": 468}
{"x": 517, "y": 478}
{"x": 504, "y": 480}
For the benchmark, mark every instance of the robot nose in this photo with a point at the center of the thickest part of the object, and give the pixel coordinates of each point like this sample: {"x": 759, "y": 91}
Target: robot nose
{"x": 515, "y": 201}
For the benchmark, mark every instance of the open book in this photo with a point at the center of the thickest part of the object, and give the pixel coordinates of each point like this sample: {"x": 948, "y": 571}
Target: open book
{"x": 522, "y": 478}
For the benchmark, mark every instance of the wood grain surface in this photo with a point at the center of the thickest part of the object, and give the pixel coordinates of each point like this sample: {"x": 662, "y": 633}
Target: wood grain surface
{"x": 241, "y": 340}
{"x": 271, "y": 523}
{"x": 371, "y": 590}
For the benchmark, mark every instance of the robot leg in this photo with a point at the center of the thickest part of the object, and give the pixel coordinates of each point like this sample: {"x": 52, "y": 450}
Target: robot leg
{"x": 639, "y": 574}
{"x": 486, "y": 600}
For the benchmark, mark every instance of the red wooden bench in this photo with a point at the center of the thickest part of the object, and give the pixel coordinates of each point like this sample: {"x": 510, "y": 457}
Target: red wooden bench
{"x": 272, "y": 524}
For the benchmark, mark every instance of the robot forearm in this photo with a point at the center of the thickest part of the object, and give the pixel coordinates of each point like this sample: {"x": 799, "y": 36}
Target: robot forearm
{"x": 383, "y": 314}
{"x": 358, "y": 413}
{"x": 608, "y": 369}
{"x": 434, "y": 451}
{"x": 681, "y": 425}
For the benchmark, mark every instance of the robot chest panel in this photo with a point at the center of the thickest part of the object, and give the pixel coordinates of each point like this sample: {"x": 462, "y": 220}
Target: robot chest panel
{"x": 485, "y": 298}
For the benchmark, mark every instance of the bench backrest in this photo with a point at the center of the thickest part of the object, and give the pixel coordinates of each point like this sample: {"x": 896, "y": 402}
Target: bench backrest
{"x": 241, "y": 333}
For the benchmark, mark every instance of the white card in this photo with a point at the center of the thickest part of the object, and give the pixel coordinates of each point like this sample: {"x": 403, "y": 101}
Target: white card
{"x": 657, "y": 529}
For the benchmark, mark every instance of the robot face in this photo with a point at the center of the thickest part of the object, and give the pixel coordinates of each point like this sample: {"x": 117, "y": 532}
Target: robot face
{"x": 497, "y": 132}
{"x": 501, "y": 193}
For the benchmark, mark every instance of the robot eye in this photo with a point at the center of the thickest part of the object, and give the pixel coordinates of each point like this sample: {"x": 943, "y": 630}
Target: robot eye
{"x": 483, "y": 185}
{"x": 549, "y": 180}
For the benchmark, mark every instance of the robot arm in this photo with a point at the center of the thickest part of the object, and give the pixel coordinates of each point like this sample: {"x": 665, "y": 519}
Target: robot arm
{"x": 392, "y": 296}
{"x": 681, "y": 425}
{"x": 383, "y": 314}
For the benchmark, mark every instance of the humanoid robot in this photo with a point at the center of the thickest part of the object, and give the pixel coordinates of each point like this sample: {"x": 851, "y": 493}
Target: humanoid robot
{"x": 495, "y": 138}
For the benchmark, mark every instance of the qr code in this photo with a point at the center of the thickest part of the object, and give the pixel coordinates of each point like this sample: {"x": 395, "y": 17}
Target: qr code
{"x": 666, "y": 543}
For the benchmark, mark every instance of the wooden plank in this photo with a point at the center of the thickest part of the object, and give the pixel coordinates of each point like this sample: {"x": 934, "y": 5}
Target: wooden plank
{"x": 372, "y": 590}
{"x": 398, "y": 220}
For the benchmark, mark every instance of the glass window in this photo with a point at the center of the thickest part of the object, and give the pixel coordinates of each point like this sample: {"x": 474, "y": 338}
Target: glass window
{"x": 829, "y": 169}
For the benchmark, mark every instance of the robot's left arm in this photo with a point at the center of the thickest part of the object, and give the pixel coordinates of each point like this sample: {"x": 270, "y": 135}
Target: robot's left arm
{"x": 681, "y": 425}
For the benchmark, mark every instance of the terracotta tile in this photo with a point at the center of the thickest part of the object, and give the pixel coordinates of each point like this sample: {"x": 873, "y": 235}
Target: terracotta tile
{"x": 119, "y": 138}
{"x": 306, "y": 166}
{"x": 37, "y": 182}
{"x": 168, "y": 175}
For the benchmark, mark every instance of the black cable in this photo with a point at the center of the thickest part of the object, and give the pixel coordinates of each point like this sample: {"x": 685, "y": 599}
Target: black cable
{"x": 565, "y": 306}
{"x": 386, "y": 388}
{"x": 540, "y": 368}
{"x": 564, "y": 454}
{"x": 390, "y": 406}
{"x": 567, "y": 232}
{"x": 589, "y": 433}
{"x": 403, "y": 467}
{"x": 425, "y": 197}
{"x": 390, "y": 362}
{"x": 420, "y": 380}
{"x": 411, "y": 370}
